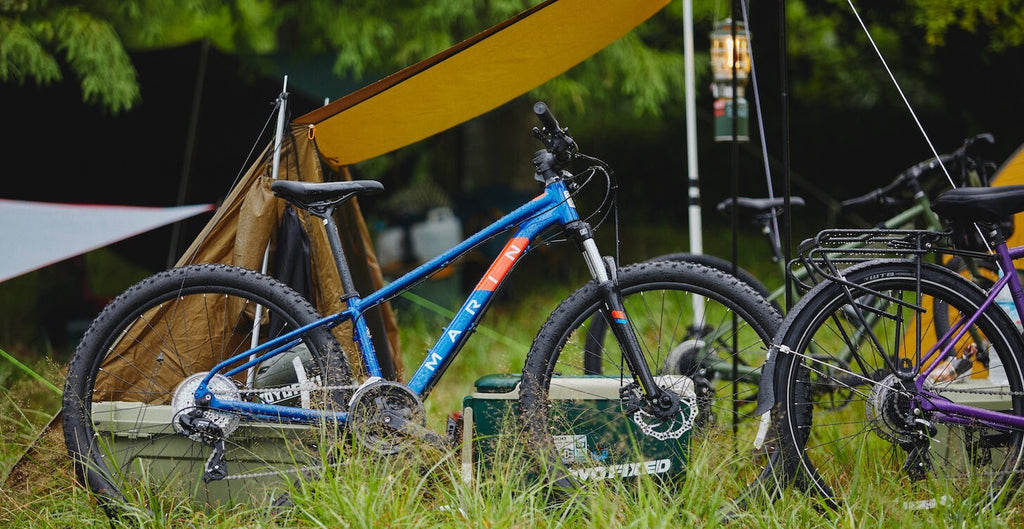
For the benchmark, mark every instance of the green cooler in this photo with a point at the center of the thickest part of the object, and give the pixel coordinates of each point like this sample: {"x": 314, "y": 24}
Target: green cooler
{"x": 596, "y": 439}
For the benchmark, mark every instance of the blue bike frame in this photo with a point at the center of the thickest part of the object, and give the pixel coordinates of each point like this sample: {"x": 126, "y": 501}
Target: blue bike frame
{"x": 551, "y": 208}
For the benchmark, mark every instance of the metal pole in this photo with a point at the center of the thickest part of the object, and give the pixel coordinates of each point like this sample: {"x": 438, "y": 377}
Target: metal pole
{"x": 787, "y": 229}
{"x": 693, "y": 198}
{"x": 190, "y": 143}
{"x": 282, "y": 102}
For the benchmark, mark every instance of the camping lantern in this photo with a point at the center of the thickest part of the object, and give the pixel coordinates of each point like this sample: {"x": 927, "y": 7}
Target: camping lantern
{"x": 730, "y": 55}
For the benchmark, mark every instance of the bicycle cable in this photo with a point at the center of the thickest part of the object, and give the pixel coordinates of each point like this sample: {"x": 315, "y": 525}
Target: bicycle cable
{"x": 899, "y": 89}
{"x": 760, "y": 123}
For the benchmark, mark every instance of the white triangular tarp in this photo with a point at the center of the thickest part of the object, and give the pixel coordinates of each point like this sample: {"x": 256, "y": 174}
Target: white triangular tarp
{"x": 37, "y": 234}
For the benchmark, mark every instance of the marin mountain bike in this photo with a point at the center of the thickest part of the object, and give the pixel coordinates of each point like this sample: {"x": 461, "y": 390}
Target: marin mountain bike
{"x": 909, "y": 418}
{"x": 202, "y": 382}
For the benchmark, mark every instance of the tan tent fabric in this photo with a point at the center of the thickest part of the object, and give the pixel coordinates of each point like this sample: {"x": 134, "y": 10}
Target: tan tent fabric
{"x": 472, "y": 77}
{"x": 238, "y": 234}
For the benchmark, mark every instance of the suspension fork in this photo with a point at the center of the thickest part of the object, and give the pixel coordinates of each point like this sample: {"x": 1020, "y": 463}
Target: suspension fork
{"x": 603, "y": 270}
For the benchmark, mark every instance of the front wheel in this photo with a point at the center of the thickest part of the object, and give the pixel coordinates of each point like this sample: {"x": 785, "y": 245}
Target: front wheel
{"x": 884, "y": 445}
{"x": 134, "y": 375}
{"x": 592, "y": 362}
{"x": 711, "y": 360}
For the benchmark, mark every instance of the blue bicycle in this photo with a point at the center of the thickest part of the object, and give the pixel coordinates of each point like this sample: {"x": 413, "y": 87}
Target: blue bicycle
{"x": 211, "y": 383}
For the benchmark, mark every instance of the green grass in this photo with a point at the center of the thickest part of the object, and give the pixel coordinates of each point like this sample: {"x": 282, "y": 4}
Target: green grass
{"x": 427, "y": 490}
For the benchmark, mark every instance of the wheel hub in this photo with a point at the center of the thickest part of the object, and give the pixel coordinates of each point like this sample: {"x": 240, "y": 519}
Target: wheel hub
{"x": 184, "y": 401}
{"x": 689, "y": 359}
{"x": 888, "y": 408}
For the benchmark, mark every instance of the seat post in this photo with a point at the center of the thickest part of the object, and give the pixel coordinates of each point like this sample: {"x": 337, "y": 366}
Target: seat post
{"x": 334, "y": 239}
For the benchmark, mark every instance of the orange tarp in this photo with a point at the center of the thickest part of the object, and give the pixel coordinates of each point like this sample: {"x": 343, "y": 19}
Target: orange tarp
{"x": 1012, "y": 173}
{"x": 471, "y": 77}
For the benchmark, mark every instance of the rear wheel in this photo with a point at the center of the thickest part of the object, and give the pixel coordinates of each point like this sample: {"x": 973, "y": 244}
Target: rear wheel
{"x": 133, "y": 376}
{"x": 884, "y": 445}
{"x": 690, "y": 354}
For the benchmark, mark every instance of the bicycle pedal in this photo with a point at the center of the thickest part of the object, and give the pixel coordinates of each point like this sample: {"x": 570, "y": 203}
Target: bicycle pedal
{"x": 453, "y": 429}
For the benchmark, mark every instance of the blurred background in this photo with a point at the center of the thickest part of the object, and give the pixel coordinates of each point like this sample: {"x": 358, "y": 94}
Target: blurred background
{"x": 156, "y": 104}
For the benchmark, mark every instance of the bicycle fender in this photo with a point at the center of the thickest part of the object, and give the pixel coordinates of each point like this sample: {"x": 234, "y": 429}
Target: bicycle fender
{"x": 766, "y": 387}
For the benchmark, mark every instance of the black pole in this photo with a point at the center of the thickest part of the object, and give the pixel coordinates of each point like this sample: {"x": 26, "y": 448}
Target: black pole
{"x": 734, "y": 184}
{"x": 784, "y": 117}
{"x": 190, "y": 142}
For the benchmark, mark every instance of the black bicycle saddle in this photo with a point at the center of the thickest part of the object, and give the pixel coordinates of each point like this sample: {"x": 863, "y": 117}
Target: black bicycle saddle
{"x": 980, "y": 204}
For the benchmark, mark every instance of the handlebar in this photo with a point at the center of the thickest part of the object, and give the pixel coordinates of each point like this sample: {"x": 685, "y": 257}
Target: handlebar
{"x": 559, "y": 149}
{"x": 909, "y": 177}
{"x": 545, "y": 116}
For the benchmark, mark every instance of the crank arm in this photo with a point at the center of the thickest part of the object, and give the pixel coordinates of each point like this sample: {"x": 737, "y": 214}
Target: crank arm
{"x": 411, "y": 429}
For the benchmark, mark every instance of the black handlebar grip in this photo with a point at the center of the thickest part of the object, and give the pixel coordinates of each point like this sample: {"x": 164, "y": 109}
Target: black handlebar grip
{"x": 869, "y": 198}
{"x": 545, "y": 117}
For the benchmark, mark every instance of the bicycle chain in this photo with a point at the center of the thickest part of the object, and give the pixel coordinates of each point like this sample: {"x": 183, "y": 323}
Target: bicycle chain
{"x": 312, "y": 387}
{"x": 294, "y": 470}
{"x": 981, "y": 392}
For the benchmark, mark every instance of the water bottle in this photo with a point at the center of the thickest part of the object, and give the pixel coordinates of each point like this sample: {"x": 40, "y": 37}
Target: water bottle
{"x": 1004, "y": 299}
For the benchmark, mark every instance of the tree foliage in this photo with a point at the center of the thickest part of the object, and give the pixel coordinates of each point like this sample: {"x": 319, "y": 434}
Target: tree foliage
{"x": 46, "y": 41}
{"x": 1003, "y": 20}
{"x": 38, "y": 37}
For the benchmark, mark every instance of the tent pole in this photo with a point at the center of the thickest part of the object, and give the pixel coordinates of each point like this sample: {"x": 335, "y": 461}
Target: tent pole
{"x": 190, "y": 143}
{"x": 282, "y": 101}
{"x": 693, "y": 198}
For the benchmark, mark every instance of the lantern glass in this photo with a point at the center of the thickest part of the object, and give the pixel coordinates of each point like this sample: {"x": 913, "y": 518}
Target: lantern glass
{"x": 724, "y": 50}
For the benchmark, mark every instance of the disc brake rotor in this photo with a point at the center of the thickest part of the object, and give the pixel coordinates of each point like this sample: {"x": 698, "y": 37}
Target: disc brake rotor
{"x": 678, "y": 424}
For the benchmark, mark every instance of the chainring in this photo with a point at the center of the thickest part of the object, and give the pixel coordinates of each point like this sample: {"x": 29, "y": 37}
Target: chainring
{"x": 366, "y": 416}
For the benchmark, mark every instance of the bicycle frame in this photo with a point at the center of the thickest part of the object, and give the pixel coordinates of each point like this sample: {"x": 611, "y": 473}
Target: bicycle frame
{"x": 554, "y": 207}
{"x": 920, "y": 209}
{"x": 959, "y": 413}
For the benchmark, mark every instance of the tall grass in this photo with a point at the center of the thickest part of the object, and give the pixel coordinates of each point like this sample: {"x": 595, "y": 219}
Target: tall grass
{"x": 427, "y": 489}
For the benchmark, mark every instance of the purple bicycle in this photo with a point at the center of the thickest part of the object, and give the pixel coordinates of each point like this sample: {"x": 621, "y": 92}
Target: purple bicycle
{"x": 869, "y": 402}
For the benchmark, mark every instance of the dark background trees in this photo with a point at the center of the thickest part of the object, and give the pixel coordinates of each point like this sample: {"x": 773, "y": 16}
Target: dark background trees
{"x": 99, "y": 96}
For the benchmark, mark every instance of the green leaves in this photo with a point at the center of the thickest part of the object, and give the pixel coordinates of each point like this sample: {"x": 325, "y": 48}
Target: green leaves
{"x": 93, "y": 51}
{"x": 36, "y": 38}
{"x": 1002, "y": 19}
{"x": 23, "y": 57}
{"x": 42, "y": 40}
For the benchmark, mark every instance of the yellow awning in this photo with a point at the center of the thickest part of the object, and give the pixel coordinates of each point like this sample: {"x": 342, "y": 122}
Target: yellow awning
{"x": 471, "y": 77}
{"x": 1012, "y": 173}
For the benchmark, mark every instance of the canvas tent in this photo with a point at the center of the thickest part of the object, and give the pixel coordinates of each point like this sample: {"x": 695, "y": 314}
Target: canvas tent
{"x": 471, "y": 77}
{"x": 248, "y": 222}
{"x": 435, "y": 94}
